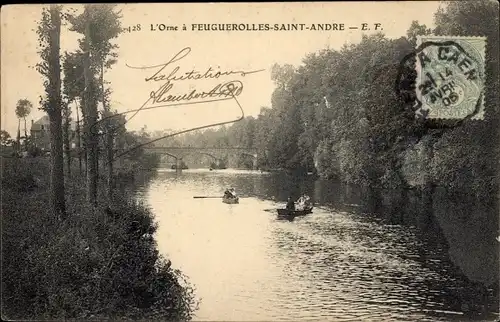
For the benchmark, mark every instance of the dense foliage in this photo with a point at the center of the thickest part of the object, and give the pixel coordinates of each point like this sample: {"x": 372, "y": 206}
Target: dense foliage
{"x": 339, "y": 113}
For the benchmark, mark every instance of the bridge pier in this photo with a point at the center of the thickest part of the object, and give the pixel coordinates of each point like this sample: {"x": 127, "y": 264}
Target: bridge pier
{"x": 254, "y": 163}
{"x": 178, "y": 165}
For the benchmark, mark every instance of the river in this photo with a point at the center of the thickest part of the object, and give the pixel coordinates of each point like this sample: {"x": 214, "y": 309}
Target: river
{"x": 362, "y": 255}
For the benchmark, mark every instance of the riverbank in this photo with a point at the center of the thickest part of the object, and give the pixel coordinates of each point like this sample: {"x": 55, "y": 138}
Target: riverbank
{"x": 98, "y": 263}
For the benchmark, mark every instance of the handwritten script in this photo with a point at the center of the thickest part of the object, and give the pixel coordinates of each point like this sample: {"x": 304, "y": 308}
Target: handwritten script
{"x": 190, "y": 75}
{"x": 220, "y": 91}
{"x": 170, "y": 73}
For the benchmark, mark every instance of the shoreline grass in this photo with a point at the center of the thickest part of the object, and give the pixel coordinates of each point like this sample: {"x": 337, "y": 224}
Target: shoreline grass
{"x": 98, "y": 263}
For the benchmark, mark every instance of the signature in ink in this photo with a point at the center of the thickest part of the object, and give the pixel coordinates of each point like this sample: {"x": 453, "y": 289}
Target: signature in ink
{"x": 224, "y": 91}
{"x": 190, "y": 75}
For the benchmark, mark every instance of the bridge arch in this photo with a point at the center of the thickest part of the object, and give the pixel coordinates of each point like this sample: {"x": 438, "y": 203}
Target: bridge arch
{"x": 212, "y": 152}
{"x": 254, "y": 155}
{"x": 218, "y": 161}
{"x": 179, "y": 164}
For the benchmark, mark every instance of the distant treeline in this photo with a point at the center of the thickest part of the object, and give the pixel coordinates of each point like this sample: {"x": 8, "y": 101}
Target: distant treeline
{"x": 339, "y": 114}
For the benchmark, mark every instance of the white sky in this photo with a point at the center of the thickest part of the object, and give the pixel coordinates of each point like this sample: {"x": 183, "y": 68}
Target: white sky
{"x": 235, "y": 50}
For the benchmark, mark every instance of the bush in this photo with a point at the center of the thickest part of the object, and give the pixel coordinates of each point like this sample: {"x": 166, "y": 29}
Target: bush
{"x": 325, "y": 162}
{"x": 98, "y": 263}
{"x": 415, "y": 164}
{"x": 34, "y": 151}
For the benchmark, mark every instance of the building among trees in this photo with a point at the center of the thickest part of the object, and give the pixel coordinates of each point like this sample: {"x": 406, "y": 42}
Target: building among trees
{"x": 40, "y": 133}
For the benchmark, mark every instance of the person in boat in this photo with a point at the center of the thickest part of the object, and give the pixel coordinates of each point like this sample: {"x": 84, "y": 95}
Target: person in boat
{"x": 230, "y": 193}
{"x": 300, "y": 203}
{"x": 290, "y": 205}
{"x": 304, "y": 202}
{"x": 307, "y": 202}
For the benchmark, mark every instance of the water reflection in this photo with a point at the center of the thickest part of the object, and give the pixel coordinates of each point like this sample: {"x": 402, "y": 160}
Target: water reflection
{"x": 362, "y": 255}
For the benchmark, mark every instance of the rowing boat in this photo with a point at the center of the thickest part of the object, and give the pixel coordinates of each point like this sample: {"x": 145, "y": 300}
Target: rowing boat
{"x": 232, "y": 200}
{"x": 286, "y": 213}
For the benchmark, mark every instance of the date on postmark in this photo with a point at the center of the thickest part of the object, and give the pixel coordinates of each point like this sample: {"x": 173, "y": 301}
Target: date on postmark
{"x": 450, "y": 77}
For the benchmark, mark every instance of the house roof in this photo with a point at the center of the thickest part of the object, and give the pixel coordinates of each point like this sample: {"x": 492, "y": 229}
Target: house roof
{"x": 45, "y": 121}
{"x": 37, "y": 125}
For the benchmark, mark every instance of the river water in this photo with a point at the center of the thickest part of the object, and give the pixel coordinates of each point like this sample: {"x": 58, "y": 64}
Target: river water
{"x": 362, "y": 255}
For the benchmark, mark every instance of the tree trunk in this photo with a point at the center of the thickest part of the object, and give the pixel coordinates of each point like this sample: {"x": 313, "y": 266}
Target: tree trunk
{"x": 67, "y": 148}
{"x": 18, "y": 134}
{"x": 56, "y": 140}
{"x": 90, "y": 122}
{"x": 97, "y": 139}
{"x": 84, "y": 136}
{"x": 78, "y": 141}
{"x": 25, "y": 135}
{"x": 109, "y": 139}
{"x": 110, "y": 146}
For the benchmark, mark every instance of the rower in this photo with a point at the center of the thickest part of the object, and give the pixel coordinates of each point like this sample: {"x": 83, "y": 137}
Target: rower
{"x": 290, "y": 205}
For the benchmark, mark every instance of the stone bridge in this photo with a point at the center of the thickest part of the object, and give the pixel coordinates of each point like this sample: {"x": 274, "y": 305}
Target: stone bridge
{"x": 219, "y": 155}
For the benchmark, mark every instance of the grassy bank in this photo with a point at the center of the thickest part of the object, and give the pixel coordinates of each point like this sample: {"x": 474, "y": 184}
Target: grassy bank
{"x": 98, "y": 263}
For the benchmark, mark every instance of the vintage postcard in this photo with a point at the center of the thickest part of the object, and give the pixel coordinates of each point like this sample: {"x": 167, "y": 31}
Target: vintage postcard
{"x": 327, "y": 161}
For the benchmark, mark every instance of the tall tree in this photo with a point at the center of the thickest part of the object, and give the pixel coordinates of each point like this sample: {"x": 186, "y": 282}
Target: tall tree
{"x": 23, "y": 109}
{"x": 49, "y": 32}
{"x": 415, "y": 30}
{"x": 80, "y": 76}
{"x": 90, "y": 119}
{"x": 108, "y": 23}
{"x": 99, "y": 24}
{"x": 67, "y": 133}
{"x": 80, "y": 82}
{"x": 78, "y": 141}
{"x": 74, "y": 87}
{"x": 18, "y": 136}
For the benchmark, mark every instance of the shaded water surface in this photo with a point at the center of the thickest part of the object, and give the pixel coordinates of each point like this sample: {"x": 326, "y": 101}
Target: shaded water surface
{"x": 362, "y": 255}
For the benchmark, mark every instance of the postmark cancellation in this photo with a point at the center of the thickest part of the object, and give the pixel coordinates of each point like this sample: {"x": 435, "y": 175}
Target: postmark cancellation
{"x": 450, "y": 80}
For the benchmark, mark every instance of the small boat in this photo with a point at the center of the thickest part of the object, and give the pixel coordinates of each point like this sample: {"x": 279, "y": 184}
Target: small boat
{"x": 231, "y": 200}
{"x": 182, "y": 167}
{"x": 286, "y": 213}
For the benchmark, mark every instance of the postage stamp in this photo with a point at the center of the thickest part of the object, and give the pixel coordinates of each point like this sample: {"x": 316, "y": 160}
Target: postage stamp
{"x": 450, "y": 77}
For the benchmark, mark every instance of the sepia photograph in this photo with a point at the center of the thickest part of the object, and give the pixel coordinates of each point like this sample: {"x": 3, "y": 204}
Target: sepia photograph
{"x": 259, "y": 161}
